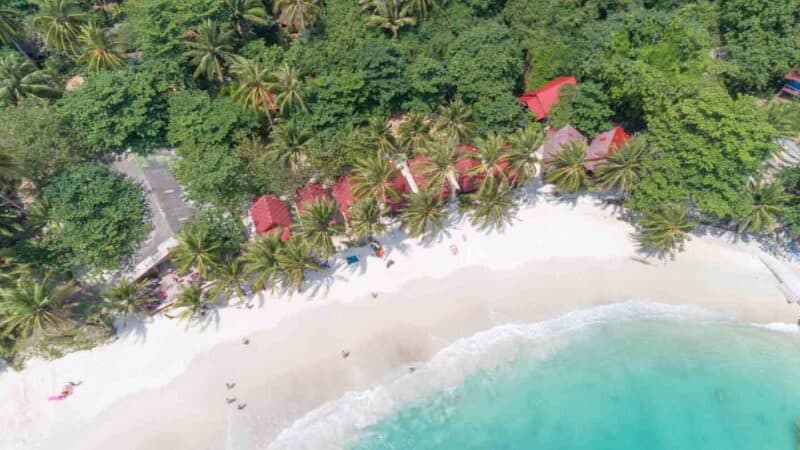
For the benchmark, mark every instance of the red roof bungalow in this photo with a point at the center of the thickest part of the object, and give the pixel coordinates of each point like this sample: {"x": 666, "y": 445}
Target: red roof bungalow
{"x": 400, "y": 186}
{"x": 342, "y": 191}
{"x": 541, "y": 99}
{"x": 416, "y": 165}
{"x": 603, "y": 145}
{"x": 270, "y": 215}
{"x": 557, "y": 139}
{"x": 467, "y": 182}
{"x": 308, "y": 194}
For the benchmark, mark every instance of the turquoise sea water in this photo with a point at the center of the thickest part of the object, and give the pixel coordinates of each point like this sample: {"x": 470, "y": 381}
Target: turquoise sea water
{"x": 628, "y": 385}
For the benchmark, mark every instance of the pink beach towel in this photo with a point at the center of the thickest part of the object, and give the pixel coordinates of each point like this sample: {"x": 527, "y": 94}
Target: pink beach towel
{"x": 55, "y": 398}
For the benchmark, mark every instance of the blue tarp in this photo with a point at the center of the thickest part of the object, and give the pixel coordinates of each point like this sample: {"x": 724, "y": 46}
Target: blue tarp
{"x": 352, "y": 259}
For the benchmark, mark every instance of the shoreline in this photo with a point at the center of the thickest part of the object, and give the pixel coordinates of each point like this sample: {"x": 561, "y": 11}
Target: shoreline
{"x": 580, "y": 252}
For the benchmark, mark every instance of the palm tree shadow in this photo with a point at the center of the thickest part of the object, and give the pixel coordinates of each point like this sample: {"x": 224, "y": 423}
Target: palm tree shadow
{"x": 4, "y": 366}
{"x": 132, "y": 326}
{"x": 531, "y": 193}
{"x": 321, "y": 284}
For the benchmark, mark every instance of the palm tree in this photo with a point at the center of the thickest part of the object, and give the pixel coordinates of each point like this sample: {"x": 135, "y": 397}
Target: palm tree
{"x": 9, "y": 25}
{"x": 365, "y": 220}
{"x": 456, "y": 120}
{"x": 196, "y": 250}
{"x": 289, "y": 89}
{"x": 210, "y": 49}
{"x": 289, "y": 143}
{"x": 382, "y": 138}
{"x": 10, "y": 29}
{"x": 229, "y": 278}
{"x": 389, "y": 15}
{"x": 491, "y": 157}
{"x": 100, "y": 50}
{"x": 297, "y": 15}
{"x": 10, "y": 221}
{"x": 60, "y": 20}
{"x": 317, "y": 226}
{"x": 9, "y": 166}
{"x": 665, "y": 231}
{"x": 768, "y": 202}
{"x": 567, "y": 171}
{"x": 31, "y": 306}
{"x": 127, "y": 297}
{"x": 253, "y": 89}
{"x": 492, "y": 206}
{"x": 20, "y": 79}
{"x": 11, "y": 268}
{"x": 192, "y": 304}
{"x": 261, "y": 259}
{"x": 439, "y": 168}
{"x": 622, "y": 171}
{"x": 372, "y": 178}
{"x": 294, "y": 258}
{"x": 521, "y": 153}
{"x": 245, "y": 12}
{"x": 421, "y": 6}
{"x": 424, "y": 213}
{"x": 785, "y": 117}
{"x": 415, "y": 132}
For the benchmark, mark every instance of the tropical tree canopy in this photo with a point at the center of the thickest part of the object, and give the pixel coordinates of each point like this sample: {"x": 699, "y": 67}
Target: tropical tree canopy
{"x": 317, "y": 226}
{"x": 60, "y": 21}
{"x": 665, "y": 231}
{"x": 210, "y": 49}
{"x": 99, "y": 50}
{"x": 566, "y": 170}
{"x": 31, "y": 307}
{"x": 623, "y": 169}
{"x": 424, "y": 214}
{"x": 19, "y": 79}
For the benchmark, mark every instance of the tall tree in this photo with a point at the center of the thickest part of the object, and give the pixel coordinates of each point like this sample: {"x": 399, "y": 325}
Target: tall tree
{"x": 491, "y": 156}
{"x": 381, "y": 136}
{"x": 31, "y": 307}
{"x": 100, "y": 50}
{"x": 289, "y": 144}
{"x": 457, "y": 121}
{"x": 210, "y": 49}
{"x": 566, "y": 169}
{"x": 127, "y": 297}
{"x": 297, "y": 15}
{"x": 253, "y": 89}
{"x": 195, "y": 250}
{"x": 391, "y": 15}
{"x": 317, "y": 226}
{"x": 623, "y": 169}
{"x": 767, "y": 203}
{"x": 365, "y": 221}
{"x": 230, "y": 277}
{"x": 492, "y": 205}
{"x": 421, "y": 7}
{"x": 372, "y": 178}
{"x": 10, "y": 29}
{"x": 19, "y": 79}
{"x": 261, "y": 259}
{"x": 423, "y": 214}
{"x": 289, "y": 89}
{"x": 439, "y": 169}
{"x": 415, "y": 131}
{"x": 521, "y": 153}
{"x": 664, "y": 231}
{"x": 59, "y": 21}
{"x": 245, "y": 12}
{"x": 192, "y": 304}
{"x": 294, "y": 259}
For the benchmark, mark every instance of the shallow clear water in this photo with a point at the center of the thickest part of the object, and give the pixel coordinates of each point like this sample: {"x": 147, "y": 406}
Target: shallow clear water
{"x": 628, "y": 385}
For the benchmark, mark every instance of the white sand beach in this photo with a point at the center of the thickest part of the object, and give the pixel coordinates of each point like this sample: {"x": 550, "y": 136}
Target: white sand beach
{"x": 162, "y": 386}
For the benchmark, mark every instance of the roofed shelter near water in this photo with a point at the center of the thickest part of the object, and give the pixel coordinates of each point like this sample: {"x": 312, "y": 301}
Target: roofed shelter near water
{"x": 603, "y": 145}
{"x": 543, "y": 98}
{"x": 270, "y": 215}
{"x": 555, "y": 140}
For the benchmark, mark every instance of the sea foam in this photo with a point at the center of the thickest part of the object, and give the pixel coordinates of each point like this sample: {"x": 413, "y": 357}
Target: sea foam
{"x": 334, "y": 424}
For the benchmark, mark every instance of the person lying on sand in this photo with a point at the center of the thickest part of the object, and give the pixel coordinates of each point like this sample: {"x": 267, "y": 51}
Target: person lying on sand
{"x": 230, "y": 400}
{"x": 241, "y": 406}
{"x": 345, "y": 354}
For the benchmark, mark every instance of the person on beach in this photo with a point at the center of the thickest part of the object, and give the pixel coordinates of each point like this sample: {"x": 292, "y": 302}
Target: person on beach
{"x": 345, "y": 354}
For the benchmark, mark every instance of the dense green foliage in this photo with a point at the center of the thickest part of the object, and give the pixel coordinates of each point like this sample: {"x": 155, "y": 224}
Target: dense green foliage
{"x": 96, "y": 216}
{"x": 260, "y": 97}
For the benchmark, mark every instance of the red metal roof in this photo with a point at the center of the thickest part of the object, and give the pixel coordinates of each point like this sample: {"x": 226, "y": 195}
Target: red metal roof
{"x": 541, "y": 99}
{"x": 416, "y": 166}
{"x": 603, "y": 145}
{"x": 467, "y": 182}
{"x": 342, "y": 191}
{"x": 308, "y": 194}
{"x": 270, "y": 214}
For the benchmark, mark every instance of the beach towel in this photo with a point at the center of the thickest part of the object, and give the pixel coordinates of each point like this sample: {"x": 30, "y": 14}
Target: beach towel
{"x": 55, "y": 398}
{"x": 352, "y": 260}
